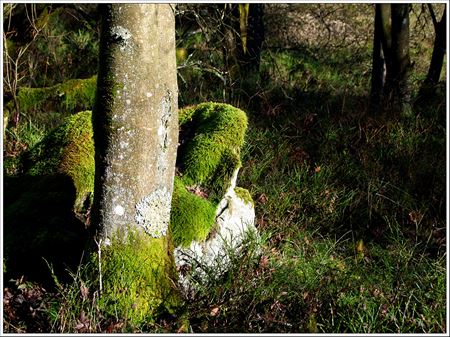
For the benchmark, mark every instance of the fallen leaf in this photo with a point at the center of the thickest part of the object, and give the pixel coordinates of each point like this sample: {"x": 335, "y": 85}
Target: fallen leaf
{"x": 84, "y": 291}
{"x": 263, "y": 262}
{"x": 305, "y": 238}
{"x": 415, "y": 217}
{"x": 79, "y": 326}
{"x": 317, "y": 169}
{"x": 214, "y": 311}
{"x": 360, "y": 249}
{"x": 262, "y": 198}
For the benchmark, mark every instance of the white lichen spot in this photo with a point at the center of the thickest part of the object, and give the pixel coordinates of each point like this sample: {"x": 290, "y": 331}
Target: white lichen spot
{"x": 120, "y": 32}
{"x": 161, "y": 130}
{"x": 153, "y": 212}
{"x": 122, "y": 36}
{"x": 119, "y": 210}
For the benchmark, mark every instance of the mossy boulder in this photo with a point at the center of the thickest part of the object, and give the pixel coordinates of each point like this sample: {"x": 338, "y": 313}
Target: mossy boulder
{"x": 192, "y": 216}
{"x": 68, "y": 150}
{"x": 58, "y": 181}
{"x": 212, "y": 135}
{"x": 46, "y": 209}
{"x": 47, "y": 105}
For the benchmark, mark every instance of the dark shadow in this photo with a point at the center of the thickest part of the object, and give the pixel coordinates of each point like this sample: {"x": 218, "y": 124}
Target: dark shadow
{"x": 40, "y": 226}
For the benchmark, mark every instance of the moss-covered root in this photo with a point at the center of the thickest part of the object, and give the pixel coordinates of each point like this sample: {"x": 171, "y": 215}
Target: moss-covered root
{"x": 212, "y": 152}
{"x": 138, "y": 279}
{"x": 68, "y": 150}
{"x": 191, "y": 218}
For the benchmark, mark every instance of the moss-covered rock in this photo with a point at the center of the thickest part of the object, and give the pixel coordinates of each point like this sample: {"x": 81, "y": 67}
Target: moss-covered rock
{"x": 192, "y": 217}
{"x": 61, "y": 99}
{"x": 212, "y": 135}
{"x": 67, "y": 150}
{"x": 46, "y": 208}
{"x": 60, "y": 175}
{"x": 244, "y": 194}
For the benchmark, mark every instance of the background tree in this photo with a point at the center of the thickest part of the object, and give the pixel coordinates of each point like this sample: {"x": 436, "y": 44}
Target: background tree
{"x": 378, "y": 60}
{"x": 391, "y": 61}
{"x": 243, "y": 31}
{"x": 136, "y": 133}
{"x": 437, "y": 58}
{"x": 400, "y": 93}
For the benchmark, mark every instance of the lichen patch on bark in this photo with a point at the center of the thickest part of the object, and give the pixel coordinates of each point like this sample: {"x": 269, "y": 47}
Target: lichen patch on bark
{"x": 153, "y": 212}
{"x": 122, "y": 36}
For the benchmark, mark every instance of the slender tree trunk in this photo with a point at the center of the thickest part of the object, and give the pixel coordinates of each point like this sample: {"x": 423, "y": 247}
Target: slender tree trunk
{"x": 386, "y": 36}
{"x": 243, "y": 31}
{"x": 250, "y": 56}
{"x": 378, "y": 62}
{"x": 437, "y": 59}
{"x": 136, "y": 134}
{"x": 401, "y": 64}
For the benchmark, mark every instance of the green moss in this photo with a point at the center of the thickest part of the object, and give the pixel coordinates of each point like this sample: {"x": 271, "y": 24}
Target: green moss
{"x": 211, "y": 135}
{"x": 68, "y": 150}
{"x": 192, "y": 217}
{"x": 138, "y": 278}
{"x": 244, "y": 194}
{"x": 208, "y": 157}
{"x": 67, "y": 98}
{"x": 211, "y": 153}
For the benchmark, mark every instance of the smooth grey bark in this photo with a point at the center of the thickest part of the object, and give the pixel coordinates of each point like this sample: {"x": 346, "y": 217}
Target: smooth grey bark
{"x": 135, "y": 120}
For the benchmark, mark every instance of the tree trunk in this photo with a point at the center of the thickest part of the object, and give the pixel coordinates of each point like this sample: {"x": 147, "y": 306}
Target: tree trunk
{"x": 437, "y": 59}
{"x": 378, "y": 62}
{"x": 400, "y": 91}
{"x": 136, "y": 134}
{"x": 250, "y": 55}
{"x": 386, "y": 36}
{"x": 243, "y": 31}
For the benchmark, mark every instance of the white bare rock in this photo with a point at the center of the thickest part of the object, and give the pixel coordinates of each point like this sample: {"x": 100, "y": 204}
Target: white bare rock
{"x": 235, "y": 218}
